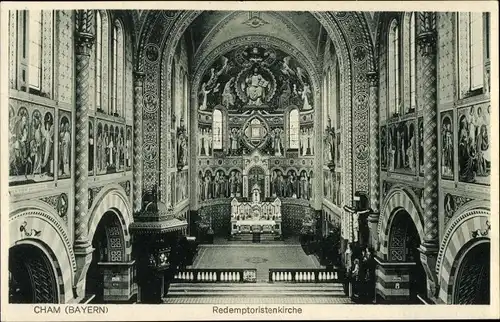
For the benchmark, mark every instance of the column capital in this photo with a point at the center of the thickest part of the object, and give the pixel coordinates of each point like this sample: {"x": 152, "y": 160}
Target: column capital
{"x": 426, "y": 38}
{"x": 83, "y": 43}
{"x": 372, "y": 77}
{"x": 139, "y": 77}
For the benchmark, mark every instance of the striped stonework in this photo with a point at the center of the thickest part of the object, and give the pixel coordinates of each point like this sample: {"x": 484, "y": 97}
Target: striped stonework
{"x": 118, "y": 280}
{"x": 395, "y": 201}
{"x": 392, "y": 282}
{"x": 51, "y": 240}
{"x": 458, "y": 239}
{"x": 113, "y": 198}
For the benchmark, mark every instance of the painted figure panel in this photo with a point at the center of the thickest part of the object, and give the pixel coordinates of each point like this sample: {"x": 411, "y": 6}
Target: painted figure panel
{"x": 65, "y": 145}
{"x": 257, "y": 77}
{"x": 31, "y": 145}
{"x": 474, "y": 158}
{"x": 447, "y": 146}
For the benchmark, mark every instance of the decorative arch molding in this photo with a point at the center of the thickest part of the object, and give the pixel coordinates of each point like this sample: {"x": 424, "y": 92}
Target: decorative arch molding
{"x": 457, "y": 240}
{"x": 201, "y": 68}
{"x": 349, "y": 30}
{"x": 112, "y": 198}
{"x": 398, "y": 199}
{"x": 206, "y": 47}
{"x": 41, "y": 229}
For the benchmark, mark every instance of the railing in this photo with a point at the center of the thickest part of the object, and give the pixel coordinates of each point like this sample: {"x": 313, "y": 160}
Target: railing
{"x": 215, "y": 275}
{"x": 294, "y": 275}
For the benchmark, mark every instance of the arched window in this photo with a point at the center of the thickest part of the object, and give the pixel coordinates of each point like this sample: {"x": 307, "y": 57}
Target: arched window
{"x": 217, "y": 125}
{"x": 413, "y": 64}
{"x": 35, "y": 49}
{"x": 98, "y": 62}
{"x": 393, "y": 60}
{"x": 294, "y": 126}
{"x": 476, "y": 49}
{"x": 117, "y": 70}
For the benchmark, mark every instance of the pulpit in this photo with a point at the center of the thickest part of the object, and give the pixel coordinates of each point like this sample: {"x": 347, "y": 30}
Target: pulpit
{"x": 256, "y": 217}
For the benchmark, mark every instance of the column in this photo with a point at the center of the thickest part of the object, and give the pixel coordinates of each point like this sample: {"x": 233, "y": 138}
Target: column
{"x": 427, "y": 82}
{"x": 137, "y": 173}
{"x": 83, "y": 247}
{"x": 428, "y": 87}
{"x": 84, "y": 42}
{"x": 374, "y": 157}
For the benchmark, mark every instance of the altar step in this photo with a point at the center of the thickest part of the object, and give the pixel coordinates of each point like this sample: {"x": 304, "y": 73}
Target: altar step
{"x": 247, "y": 237}
{"x": 255, "y": 293}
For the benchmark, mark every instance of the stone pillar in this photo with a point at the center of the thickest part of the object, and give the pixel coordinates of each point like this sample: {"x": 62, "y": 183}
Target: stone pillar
{"x": 427, "y": 88}
{"x": 374, "y": 158}
{"x": 83, "y": 247}
{"x": 83, "y": 43}
{"x": 137, "y": 178}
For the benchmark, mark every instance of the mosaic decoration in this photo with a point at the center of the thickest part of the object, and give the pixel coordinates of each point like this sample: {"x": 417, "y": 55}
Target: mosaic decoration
{"x": 256, "y": 76}
{"x": 65, "y": 145}
{"x": 447, "y": 146}
{"x": 112, "y": 151}
{"x": 401, "y": 147}
{"x": 450, "y": 205}
{"x": 31, "y": 144}
{"x": 62, "y": 205}
{"x": 474, "y": 156}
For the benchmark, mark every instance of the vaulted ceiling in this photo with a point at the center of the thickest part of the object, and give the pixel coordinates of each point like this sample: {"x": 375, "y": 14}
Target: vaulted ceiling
{"x": 212, "y": 28}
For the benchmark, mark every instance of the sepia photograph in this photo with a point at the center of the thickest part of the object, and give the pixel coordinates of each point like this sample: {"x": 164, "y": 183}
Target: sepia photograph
{"x": 247, "y": 162}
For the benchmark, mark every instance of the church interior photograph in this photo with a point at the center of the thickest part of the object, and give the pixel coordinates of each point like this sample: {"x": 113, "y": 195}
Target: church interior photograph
{"x": 287, "y": 157}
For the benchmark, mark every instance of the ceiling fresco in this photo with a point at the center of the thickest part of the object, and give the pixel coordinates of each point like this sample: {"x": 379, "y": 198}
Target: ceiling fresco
{"x": 256, "y": 77}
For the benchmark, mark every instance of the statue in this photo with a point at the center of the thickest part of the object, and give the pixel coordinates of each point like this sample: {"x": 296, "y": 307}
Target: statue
{"x": 256, "y": 87}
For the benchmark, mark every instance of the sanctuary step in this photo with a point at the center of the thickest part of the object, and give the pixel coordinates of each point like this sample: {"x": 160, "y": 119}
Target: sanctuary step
{"x": 254, "y": 293}
{"x": 259, "y": 238}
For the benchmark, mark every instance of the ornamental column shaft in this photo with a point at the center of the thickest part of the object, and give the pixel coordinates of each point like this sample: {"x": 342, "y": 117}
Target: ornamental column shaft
{"x": 374, "y": 142}
{"x": 427, "y": 80}
{"x": 137, "y": 178}
{"x": 84, "y": 42}
{"x": 374, "y": 157}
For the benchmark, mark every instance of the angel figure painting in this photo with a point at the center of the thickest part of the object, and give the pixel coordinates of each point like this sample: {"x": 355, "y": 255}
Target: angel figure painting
{"x": 256, "y": 76}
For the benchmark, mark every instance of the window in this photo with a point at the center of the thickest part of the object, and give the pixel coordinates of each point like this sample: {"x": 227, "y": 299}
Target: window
{"x": 476, "y": 48}
{"x": 98, "y": 62}
{"x": 35, "y": 49}
{"x": 393, "y": 61}
{"x": 413, "y": 64}
{"x": 294, "y": 128}
{"x": 217, "y": 129}
{"x": 117, "y": 70}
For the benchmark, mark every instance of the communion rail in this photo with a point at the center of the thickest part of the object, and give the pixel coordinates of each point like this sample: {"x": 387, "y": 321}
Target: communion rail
{"x": 305, "y": 275}
{"x": 216, "y": 275}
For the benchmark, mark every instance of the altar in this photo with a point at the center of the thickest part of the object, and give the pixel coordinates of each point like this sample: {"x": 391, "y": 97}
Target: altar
{"x": 256, "y": 217}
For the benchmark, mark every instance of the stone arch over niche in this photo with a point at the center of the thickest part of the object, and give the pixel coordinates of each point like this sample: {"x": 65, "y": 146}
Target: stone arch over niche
{"x": 397, "y": 200}
{"x": 469, "y": 228}
{"x": 38, "y": 226}
{"x": 159, "y": 37}
{"x": 113, "y": 199}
